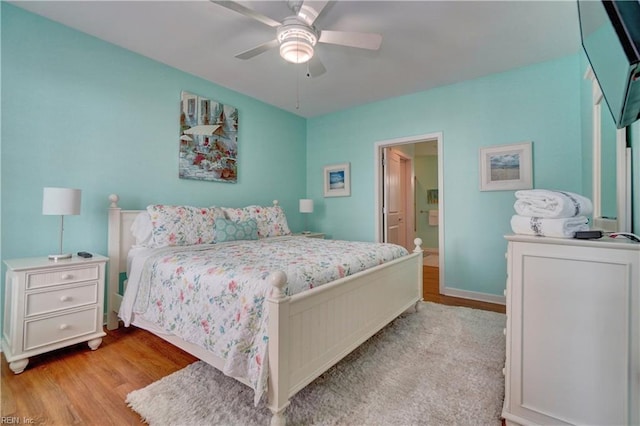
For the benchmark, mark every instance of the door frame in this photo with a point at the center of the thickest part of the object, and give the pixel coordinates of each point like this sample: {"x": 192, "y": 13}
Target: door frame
{"x": 378, "y": 189}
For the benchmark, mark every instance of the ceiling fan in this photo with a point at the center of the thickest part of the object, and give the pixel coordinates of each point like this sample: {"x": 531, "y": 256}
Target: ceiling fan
{"x": 297, "y": 36}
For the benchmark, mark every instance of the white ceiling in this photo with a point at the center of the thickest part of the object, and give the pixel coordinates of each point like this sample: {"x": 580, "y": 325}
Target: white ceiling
{"x": 425, "y": 44}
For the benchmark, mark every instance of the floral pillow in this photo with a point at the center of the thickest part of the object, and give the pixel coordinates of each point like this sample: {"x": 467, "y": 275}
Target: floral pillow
{"x": 272, "y": 222}
{"x": 237, "y": 215}
{"x": 183, "y": 225}
{"x": 229, "y": 230}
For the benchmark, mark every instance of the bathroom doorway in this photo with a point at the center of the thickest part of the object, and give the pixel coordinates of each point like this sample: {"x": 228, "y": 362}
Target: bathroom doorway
{"x": 423, "y": 216}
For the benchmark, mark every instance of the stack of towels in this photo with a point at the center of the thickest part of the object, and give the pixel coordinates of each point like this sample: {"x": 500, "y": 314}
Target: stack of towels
{"x": 550, "y": 213}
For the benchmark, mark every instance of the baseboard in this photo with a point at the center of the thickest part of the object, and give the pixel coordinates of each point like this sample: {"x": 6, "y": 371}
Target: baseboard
{"x": 473, "y": 295}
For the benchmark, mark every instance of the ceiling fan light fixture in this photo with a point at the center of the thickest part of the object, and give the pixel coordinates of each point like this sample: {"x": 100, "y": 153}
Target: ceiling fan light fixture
{"x": 296, "y": 41}
{"x": 296, "y": 51}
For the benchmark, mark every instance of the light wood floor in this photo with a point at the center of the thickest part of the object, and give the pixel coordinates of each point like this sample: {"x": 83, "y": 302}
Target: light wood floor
{"x": 75, "y": 386}
{"x": 431, "y": 293}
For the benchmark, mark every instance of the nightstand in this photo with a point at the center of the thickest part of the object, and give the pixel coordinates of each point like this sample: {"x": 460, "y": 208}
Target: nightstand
{"x": 50, "y": 305}
{"x": 309, "y": 235}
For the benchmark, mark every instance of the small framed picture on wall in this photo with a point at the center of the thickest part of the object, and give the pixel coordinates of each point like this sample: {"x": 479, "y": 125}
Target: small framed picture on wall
{"x": 506, "y": 167}
{"x": 337, "y": 180}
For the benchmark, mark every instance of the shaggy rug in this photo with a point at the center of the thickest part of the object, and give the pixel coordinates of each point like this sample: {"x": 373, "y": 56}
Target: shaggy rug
{"x": 439, "y": 366}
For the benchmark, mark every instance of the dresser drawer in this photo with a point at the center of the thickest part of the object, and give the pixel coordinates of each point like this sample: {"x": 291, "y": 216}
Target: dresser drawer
{"x": 58, "y": 328}
{"x": 61, "y": 298}
{"x": 51, "y": 277}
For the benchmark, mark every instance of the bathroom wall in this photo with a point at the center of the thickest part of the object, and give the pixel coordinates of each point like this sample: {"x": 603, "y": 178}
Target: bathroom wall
{"x": 426, "y": 171}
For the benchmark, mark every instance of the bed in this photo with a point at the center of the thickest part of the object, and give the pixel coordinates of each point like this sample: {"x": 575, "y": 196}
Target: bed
{"x": 305, "y": 331}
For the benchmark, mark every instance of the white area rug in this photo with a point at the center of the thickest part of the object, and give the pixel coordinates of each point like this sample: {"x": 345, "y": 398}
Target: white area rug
{"x": 439, "y": 366}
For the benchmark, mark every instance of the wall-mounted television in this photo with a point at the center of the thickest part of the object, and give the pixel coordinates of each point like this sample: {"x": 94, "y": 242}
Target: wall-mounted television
{"x": 610, "y": 34}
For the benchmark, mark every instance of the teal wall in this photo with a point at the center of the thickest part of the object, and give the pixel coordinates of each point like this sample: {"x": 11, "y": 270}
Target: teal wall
{"x": 539, "y": 103}
{"x": 426, "y": 171}
{"x": 634, "y": 138}
{"x": 80, "y": 112}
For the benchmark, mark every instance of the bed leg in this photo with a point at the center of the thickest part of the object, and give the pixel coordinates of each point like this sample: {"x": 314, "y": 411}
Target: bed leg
{"x": 278, "y": 418}
{"x": 418, "y": 249}
{"x": 278, "y": 389}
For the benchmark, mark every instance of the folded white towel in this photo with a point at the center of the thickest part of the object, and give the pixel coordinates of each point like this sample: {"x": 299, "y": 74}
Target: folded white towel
{"x": 551, "y": 204}
{"x": 559, "y": 228}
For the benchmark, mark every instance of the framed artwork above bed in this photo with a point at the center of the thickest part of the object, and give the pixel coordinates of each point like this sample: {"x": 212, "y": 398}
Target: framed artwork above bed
{"x": 208, "y": 140}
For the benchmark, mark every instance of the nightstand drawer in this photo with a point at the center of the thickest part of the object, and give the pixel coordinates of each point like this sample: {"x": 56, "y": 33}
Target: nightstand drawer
{"x": 59, "y": 299}
{"x": 55, "y": 329}
{"x": 62, "y": 276}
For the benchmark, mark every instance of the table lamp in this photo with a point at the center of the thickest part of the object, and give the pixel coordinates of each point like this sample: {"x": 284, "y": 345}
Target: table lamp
{"x": 61, "y": 201}
{"x": 306, "y": 206}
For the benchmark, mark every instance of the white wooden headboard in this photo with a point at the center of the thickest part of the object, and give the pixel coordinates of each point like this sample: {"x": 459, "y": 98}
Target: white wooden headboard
{"x": 119, "y": 243}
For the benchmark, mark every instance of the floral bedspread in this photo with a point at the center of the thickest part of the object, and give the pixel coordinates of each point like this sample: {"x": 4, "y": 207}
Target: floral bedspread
{"x": 214, "y": 295}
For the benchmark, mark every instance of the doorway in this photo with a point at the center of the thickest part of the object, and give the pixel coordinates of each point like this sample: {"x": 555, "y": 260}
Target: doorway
{"x": 409, "y": 199}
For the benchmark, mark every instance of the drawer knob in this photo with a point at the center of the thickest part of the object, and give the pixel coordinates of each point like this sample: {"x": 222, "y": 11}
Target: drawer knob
{"x": 63, "y": 326}
{"x": 504, "y": 331}
{"x": 67, "y": 276}
{"x": 65, "y": 298}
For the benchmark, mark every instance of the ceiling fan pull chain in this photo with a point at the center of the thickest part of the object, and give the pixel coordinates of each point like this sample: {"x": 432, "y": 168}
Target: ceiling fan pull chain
{"x": 298, "y": 87}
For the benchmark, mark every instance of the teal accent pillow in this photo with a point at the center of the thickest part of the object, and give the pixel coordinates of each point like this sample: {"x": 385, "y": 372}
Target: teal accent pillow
{"x": 229, "y": 230}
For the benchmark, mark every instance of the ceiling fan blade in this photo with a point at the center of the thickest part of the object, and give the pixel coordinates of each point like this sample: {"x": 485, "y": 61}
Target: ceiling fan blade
{"x": 248, "y": 54}
{"x": 311, "y": 9}
{"x": 315, "y": 67}
{"x": 237, "y": 7}
{"x": 369, "y": 41}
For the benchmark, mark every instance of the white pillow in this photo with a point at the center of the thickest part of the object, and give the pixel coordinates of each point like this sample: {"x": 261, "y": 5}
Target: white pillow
{"x": 142, "y": 230}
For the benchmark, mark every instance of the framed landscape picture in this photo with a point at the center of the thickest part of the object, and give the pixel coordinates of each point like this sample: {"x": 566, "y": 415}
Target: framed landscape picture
{"x": 506, "y": 167}
{"x": 337, "y": 180}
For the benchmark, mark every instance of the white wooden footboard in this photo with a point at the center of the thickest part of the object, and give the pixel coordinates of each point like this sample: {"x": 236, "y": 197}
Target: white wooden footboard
{"x": 311, "y": 331}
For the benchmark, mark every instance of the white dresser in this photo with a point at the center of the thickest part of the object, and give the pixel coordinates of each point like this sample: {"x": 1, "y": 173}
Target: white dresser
{"x": 49, "y": 305}
{"x": 573, "y": 331}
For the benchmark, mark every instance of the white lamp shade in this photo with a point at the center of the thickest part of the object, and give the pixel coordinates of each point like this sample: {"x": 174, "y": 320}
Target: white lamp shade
{"x": 306, "y": 205}
{"x": 61, "y": 201}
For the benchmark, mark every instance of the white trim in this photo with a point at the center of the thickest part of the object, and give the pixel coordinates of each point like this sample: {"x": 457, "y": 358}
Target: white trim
{"x": 628, "y": 197}
{"x": 474, "y": 295}
{"x": 596, "y": 142}
{"x": 623, "y": 181}
{"x": 623, "y": 168}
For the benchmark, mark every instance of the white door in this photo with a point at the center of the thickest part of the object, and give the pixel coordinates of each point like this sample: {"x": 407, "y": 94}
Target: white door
{"x": 394, "y": 214}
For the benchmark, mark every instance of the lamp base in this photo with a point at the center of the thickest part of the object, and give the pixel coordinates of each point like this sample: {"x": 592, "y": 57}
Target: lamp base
{"x": 56, "y": 257}
{"x": 306, "y": 232}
